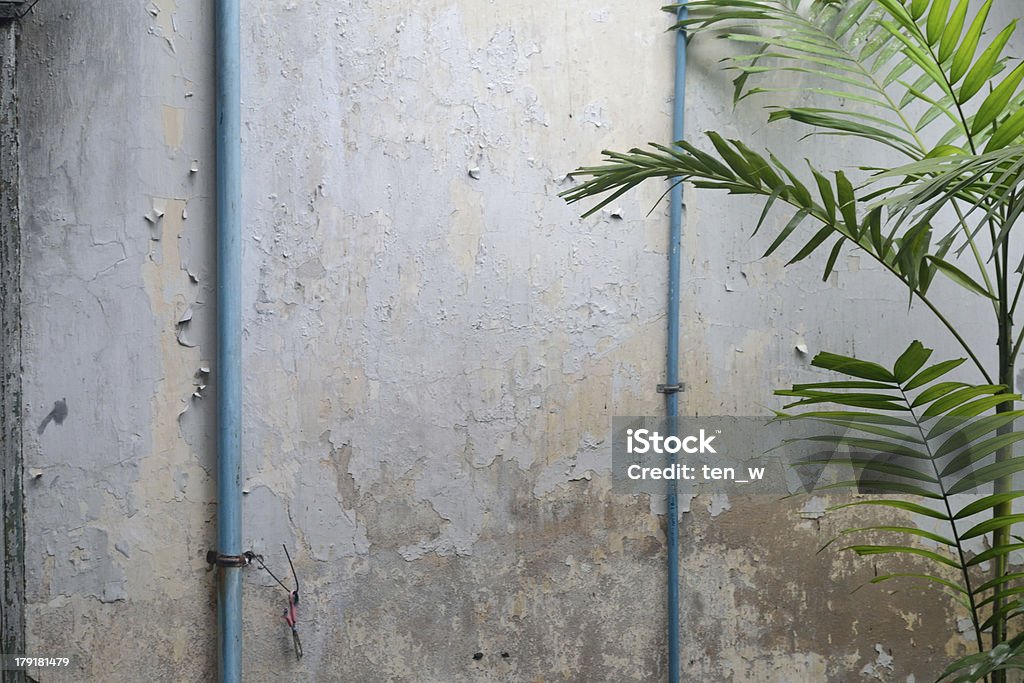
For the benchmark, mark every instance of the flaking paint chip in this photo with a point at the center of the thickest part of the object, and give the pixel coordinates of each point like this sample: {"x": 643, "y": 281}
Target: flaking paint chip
{"x": 35, "y": 473}
{"x": 194, "y": 168}
{"x": 801, "y": 349}
{"x": 474, "y": 173}
{"x": 182, "y": 332}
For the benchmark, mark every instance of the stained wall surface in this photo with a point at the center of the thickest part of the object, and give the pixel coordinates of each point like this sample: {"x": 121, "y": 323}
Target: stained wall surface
{"x": 434, "y": 347}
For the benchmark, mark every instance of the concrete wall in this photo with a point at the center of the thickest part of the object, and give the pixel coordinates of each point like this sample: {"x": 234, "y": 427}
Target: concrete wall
{"x": 434, "y": 346}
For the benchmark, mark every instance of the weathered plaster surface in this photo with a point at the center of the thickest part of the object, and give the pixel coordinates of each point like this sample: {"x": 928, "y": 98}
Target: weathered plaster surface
{"x": 434, "y": 346}
{"x": 120, "y": 493}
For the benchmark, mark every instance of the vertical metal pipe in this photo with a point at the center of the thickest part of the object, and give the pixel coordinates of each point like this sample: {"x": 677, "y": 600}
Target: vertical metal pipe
{"x": 672, "y": 360}
{"x": 229, "y": 336}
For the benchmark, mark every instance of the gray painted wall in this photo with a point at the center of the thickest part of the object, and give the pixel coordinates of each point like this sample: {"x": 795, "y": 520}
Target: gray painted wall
{"x": 434, "y": 345}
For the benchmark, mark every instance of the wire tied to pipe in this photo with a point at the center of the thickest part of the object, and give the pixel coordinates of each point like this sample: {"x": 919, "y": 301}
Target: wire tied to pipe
{"x": 291, "y": 613}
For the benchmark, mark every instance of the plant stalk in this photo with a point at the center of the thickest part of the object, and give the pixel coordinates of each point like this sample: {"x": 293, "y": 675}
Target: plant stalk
{"x": 1001, "y": 537}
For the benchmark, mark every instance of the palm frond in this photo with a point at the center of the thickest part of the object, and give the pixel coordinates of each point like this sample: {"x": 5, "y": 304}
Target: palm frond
{"x": 912, "y": 254}
{"x": 877, "y": 53}
{"x": 908, "y": 430}
{"x": 977, "y": 667}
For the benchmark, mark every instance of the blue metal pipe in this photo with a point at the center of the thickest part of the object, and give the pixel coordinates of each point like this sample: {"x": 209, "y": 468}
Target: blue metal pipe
{"x": 672, "y": 359}
{"x": 229, "y": 336}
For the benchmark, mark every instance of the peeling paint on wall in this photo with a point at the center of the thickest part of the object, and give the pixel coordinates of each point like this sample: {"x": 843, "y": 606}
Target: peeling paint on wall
{"x": 174, "y": 126}
{"x": 434, "y": 348}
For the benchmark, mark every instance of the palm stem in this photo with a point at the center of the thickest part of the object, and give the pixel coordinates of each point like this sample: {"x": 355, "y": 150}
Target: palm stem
{"x": 1001, "y": 537}
{"x": 964, "y": 569}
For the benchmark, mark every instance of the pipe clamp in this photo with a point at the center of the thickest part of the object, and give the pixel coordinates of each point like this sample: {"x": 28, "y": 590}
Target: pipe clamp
{"x": 215, "y": 558}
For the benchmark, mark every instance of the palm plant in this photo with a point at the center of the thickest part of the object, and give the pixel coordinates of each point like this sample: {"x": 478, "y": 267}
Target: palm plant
{"x": 929, "y": 80}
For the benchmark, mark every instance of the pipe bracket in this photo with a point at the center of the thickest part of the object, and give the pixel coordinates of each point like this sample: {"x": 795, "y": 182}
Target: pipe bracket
{"x": 215, "y": 558}
{"x": 671, "y": 388}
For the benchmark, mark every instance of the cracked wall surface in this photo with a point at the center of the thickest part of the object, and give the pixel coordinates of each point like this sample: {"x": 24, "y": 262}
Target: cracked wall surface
{"x": 434, "y": 347}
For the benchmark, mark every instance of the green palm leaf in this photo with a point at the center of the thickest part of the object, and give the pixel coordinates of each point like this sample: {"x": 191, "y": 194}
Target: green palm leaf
{"x": 977, "y": 667}
{"x": 953, "y": 453}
